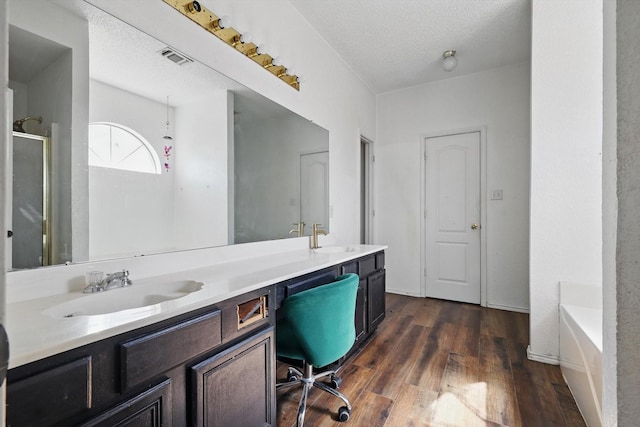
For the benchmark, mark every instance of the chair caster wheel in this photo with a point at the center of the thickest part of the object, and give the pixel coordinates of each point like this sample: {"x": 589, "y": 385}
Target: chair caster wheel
{"x": 291, "y": 375}
{"x": 343, "y": 414}
{"x": 336, "y": 382}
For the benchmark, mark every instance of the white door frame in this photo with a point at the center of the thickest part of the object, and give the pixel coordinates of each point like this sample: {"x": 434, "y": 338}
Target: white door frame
{"x": 369, "y": 209}
{"x": 483, "y": 206}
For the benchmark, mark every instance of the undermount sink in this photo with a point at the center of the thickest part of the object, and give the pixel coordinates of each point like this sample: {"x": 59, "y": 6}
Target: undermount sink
{"x": 334, "y": 249}
{"x": 130, "y": 298}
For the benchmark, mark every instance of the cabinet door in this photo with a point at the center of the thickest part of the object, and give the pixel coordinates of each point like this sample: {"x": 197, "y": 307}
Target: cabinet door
{"x": 376, "y": 299}
{"x": 151, "y": 408}
{"x": 361, "y": 310}
{"x": 51, "y": 396}
{"x": 237, "y": 386}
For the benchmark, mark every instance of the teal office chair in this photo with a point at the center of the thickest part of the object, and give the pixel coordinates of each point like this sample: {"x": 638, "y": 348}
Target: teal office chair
{"x": 318, "y": 328}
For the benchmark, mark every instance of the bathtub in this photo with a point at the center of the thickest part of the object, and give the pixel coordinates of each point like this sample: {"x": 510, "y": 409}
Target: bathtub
{"x": 581, "y": 354}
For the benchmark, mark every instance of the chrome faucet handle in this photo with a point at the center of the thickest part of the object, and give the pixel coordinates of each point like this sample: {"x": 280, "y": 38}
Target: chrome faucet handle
{"x": 125, "y": 278}
{"x": 89, "y": 289}
{"x": 118, "y": 279}
{"x": 94, "y": 282}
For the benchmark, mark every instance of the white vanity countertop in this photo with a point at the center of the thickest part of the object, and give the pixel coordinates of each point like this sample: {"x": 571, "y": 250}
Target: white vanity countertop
{"x": 34, "y": 333}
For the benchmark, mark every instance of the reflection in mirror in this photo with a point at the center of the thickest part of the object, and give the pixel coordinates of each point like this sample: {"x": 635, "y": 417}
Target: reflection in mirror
{"x": 234, "y": 167}
{"x": 281, "y": 172}
{"x": 30, "y": 209}
{"x": 41, "y": 83}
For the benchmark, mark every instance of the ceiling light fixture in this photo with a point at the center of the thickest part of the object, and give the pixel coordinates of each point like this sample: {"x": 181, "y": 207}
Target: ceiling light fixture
{"x": 449, "y": 60}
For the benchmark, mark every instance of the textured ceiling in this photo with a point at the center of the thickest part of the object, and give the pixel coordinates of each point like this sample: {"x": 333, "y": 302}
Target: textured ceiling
{"x": 395, "y": 44}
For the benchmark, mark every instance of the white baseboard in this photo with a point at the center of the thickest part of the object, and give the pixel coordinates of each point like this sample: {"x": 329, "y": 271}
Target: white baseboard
{"x": 544, "y": 358}
{"x": 509, "y": 308}
{"x": 400, "y": 292}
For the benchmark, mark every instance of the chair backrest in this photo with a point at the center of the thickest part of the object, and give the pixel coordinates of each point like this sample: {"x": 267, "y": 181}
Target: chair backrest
{"x": 322, "y": 319}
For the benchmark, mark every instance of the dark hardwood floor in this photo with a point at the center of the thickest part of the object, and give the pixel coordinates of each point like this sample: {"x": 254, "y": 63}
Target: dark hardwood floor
{"x": 440, "y": 363}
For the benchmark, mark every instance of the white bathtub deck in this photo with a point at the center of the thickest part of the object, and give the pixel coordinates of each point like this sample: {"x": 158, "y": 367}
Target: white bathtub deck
{"x": 581, "y": 358}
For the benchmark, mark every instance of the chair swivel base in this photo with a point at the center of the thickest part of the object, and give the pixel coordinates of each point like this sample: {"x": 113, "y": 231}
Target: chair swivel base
{"x": 308, "y": 380}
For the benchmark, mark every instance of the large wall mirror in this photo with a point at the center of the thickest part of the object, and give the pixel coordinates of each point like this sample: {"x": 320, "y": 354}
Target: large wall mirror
{"x": 148, "y": 150}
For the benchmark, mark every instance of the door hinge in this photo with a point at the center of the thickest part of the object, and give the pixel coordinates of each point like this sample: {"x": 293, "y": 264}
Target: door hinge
{"x": 373, "y": 212}
{"x": 425, "y": 214}
{"x": 425, "y": 155}
{"x": 425, "y": 272}
{"x": 373, "y": 159}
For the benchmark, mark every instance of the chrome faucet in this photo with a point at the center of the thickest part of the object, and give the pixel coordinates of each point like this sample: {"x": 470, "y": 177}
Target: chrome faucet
{"x": 314, "y": 236}
{"x": 118, "y": 279}
{"x": 299, "y": 228}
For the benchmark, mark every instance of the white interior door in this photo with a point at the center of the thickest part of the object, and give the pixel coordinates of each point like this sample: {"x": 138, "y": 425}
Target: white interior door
{"x": 314, "y": 189}
{"x": 452, "y": 225}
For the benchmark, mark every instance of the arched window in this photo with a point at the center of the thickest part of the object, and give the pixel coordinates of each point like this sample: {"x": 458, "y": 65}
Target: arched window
{"x": 118, "y": 147}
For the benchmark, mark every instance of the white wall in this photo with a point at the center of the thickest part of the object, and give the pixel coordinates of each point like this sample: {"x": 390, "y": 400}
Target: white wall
{"x": 566, "y": 160}
{"x": 267, "y": 165}
{"x": 332, "y": 96}
{"x": 49, "y": 95}
{"x": 497, "y": 99}
{"x": 130, "y": 212}
{"x": 19, "y": 99}
{"x": 628, "y": 235}
{"x": 609, "y": 218}
{"x": 62, "y": 27}
{"x": 200, "y": 168}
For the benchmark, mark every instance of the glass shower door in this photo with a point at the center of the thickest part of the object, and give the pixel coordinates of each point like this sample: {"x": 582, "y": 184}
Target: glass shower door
{"x": 30, "y": 212}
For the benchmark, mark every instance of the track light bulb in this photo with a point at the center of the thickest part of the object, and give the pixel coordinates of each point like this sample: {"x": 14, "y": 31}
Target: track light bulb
{"x": 224, "y": 22}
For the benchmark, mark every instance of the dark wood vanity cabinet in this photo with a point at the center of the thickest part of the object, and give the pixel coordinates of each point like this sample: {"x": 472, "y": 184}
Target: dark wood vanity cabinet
{"x": 214, "y": 366}
{"x": 375, "y": 299}
{"x": 370, "y": 301}
{"x": 235, "y": 387}
{"x": 361, "y": 311}
{"x": 208, "y": 362}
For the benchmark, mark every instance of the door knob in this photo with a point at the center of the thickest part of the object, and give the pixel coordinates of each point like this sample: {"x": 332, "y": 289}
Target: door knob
{"x": 475, "y": 226}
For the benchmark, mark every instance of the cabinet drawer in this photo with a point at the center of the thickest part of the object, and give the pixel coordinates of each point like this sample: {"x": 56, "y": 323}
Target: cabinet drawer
{"x": 310, "y": 281}
{"x": 351, "y": 267}
{"x": 150, "y": 355}
{"x": 246, "y": 313}
{"x": 366, "y": 266}
{"x": 51, "y": 396}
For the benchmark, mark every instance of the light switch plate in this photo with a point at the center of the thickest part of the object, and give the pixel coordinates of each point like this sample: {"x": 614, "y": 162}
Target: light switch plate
{"x": 496, "y": 194}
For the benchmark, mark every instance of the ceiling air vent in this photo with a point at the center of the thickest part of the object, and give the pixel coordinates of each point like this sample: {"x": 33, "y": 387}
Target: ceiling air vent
{"x": 175, "y": 56}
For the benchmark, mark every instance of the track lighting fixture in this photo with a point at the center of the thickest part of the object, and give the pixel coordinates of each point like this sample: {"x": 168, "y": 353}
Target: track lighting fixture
{"x": 221, "y": 28}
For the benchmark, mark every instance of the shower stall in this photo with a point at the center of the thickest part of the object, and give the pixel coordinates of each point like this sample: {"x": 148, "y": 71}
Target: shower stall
{"x": 31, "y": 201}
